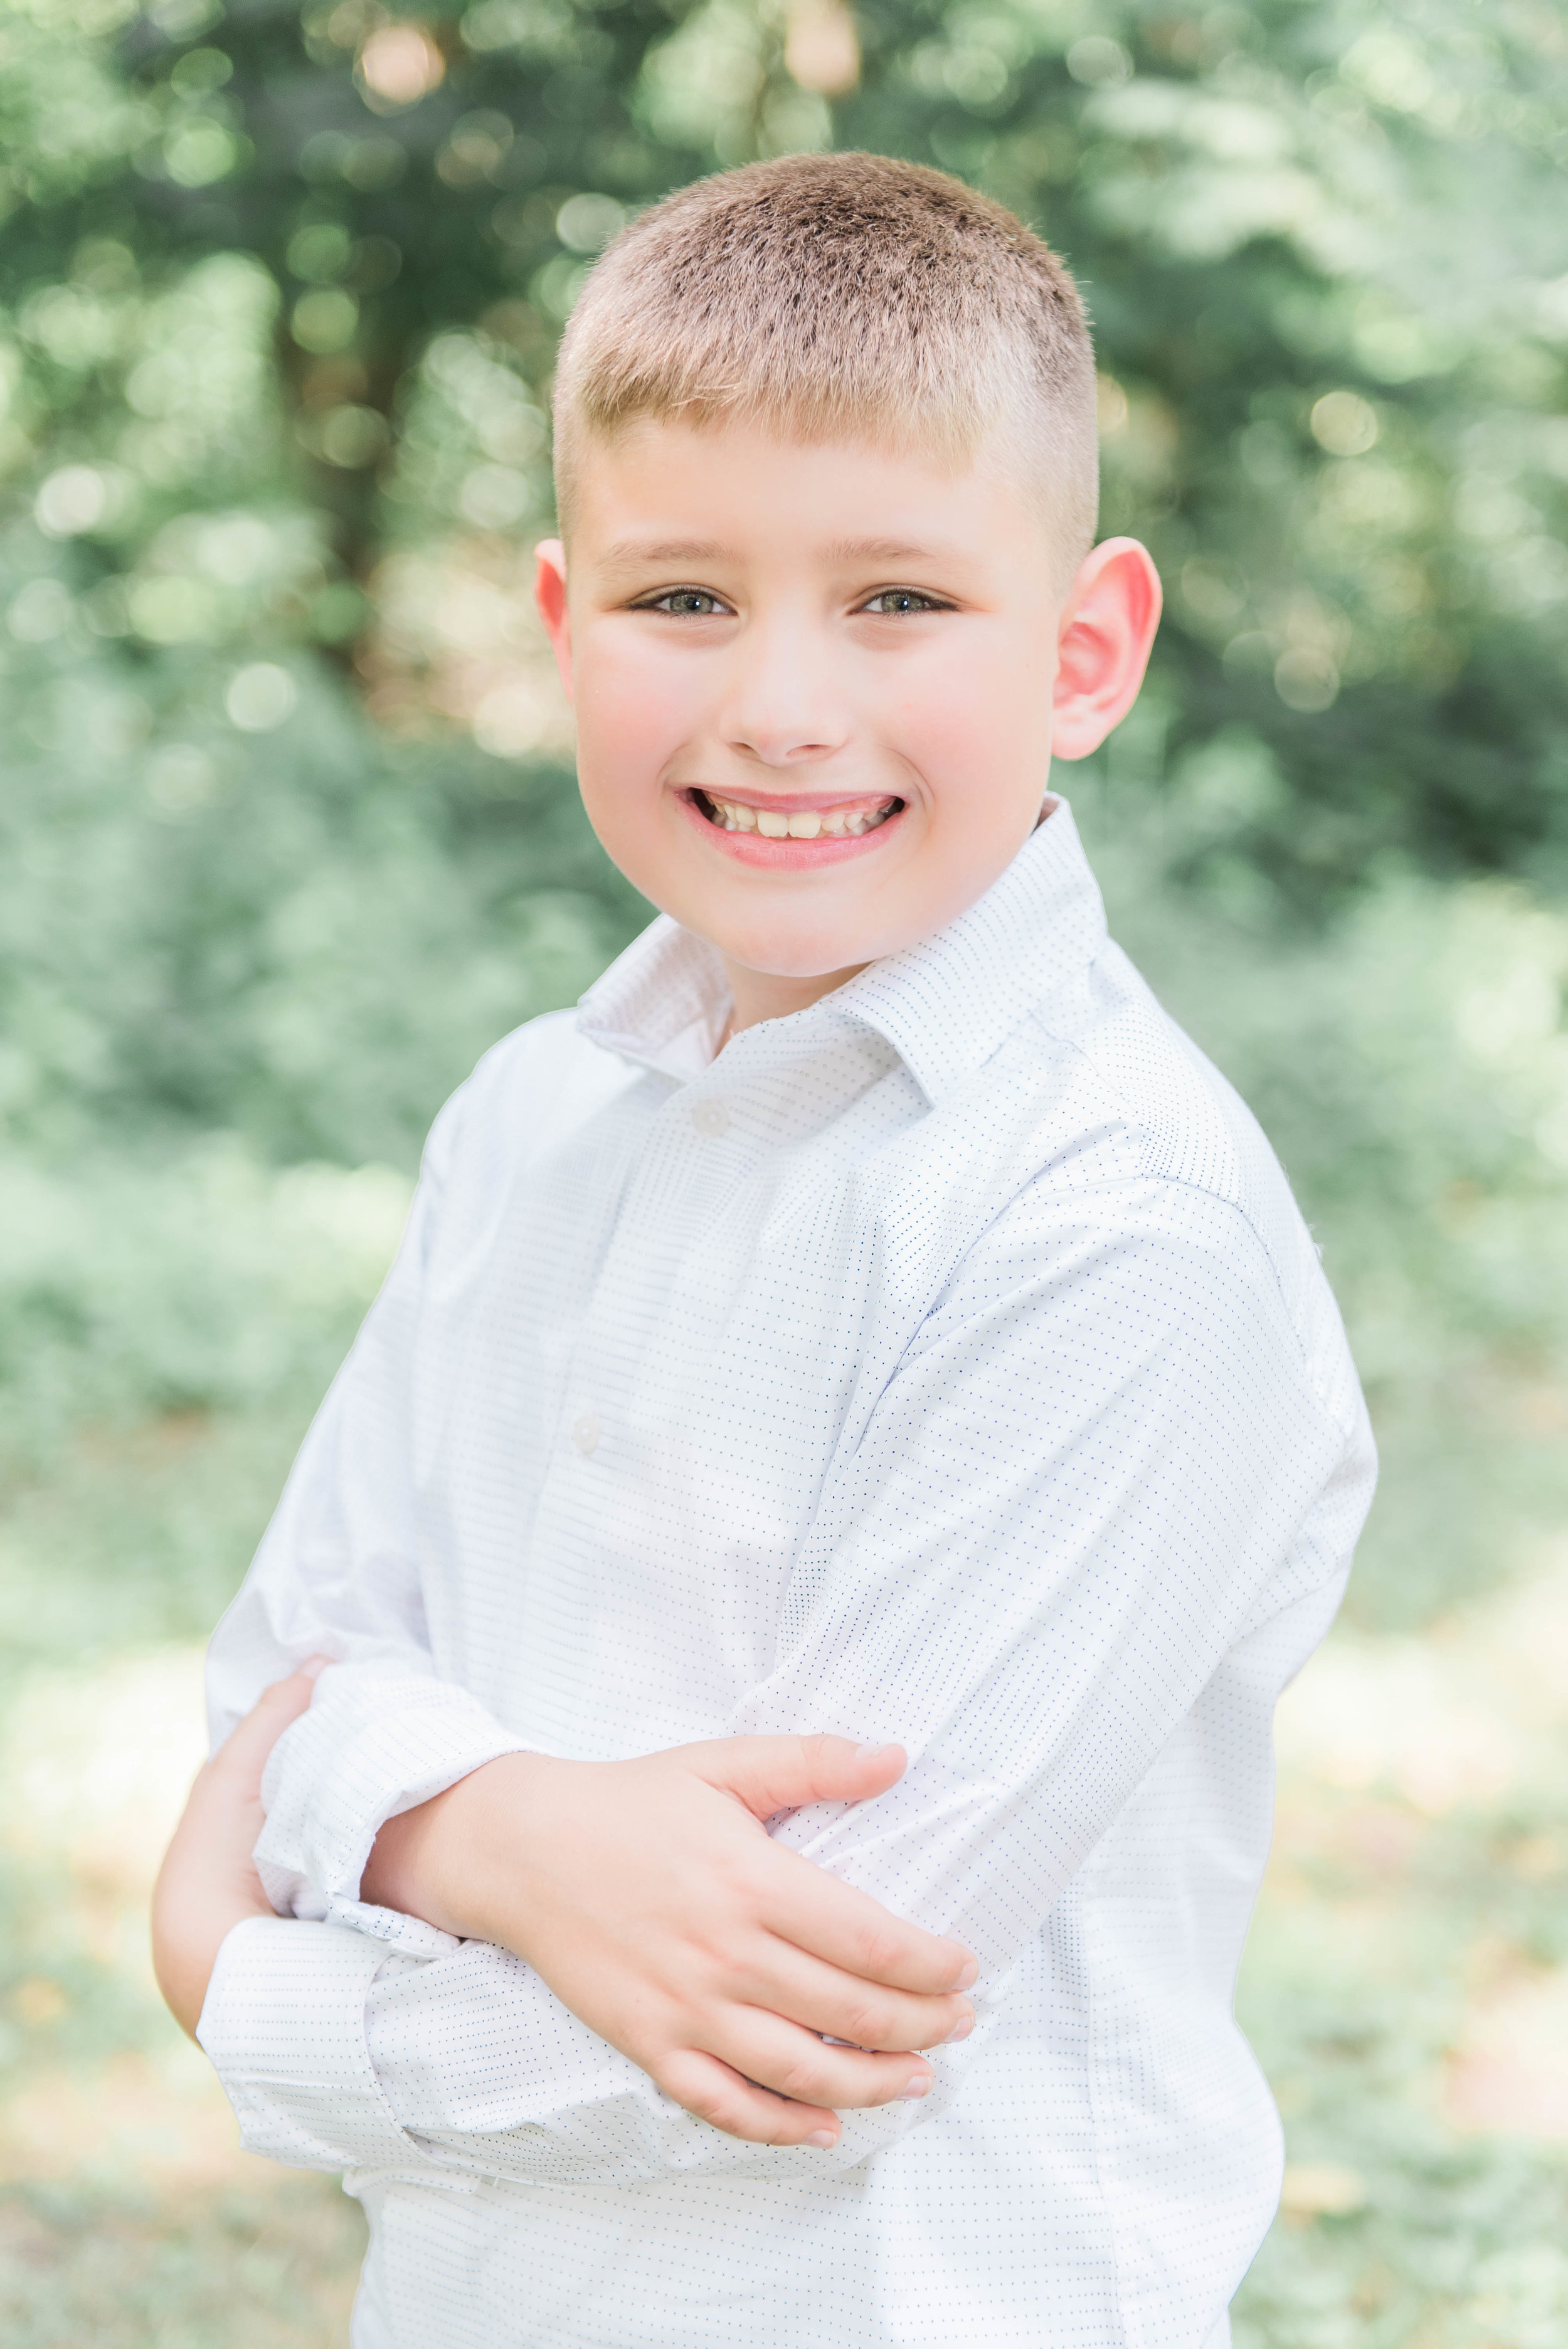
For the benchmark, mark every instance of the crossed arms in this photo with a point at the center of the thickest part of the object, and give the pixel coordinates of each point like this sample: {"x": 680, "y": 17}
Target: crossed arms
{"x": 648, "y": 1898}
{"x": 651, "y": 1975}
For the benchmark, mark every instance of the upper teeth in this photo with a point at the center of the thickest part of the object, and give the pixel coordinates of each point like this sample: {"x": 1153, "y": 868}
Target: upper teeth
{"x": 806, "y": 824}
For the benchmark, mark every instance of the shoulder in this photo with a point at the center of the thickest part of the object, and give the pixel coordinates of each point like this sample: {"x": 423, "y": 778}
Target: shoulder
{"x": 1180, "y": 1153}
{"x": 1180, "y": 1119}
{"x": 523, "y": 1095}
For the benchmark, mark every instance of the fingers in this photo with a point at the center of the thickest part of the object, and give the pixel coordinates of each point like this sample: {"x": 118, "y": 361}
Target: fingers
{"x": 741, "y": 2105}
{"x": 822, "y": 1998}
{"x": 837, "y": 1922}
{"x": 773, "y": 2053}
{"x": 246, "y": 1750}
{"x": 780, "y": 1774}
{"x": 774, "y": 1774}
{"x": 723, "y": 2096}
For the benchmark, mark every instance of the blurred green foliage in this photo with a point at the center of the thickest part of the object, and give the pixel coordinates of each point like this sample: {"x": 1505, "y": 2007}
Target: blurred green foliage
{"x": 1353, "y": 1999}
{"x": 279, "y": 291}
{"x": 288, "y": 833}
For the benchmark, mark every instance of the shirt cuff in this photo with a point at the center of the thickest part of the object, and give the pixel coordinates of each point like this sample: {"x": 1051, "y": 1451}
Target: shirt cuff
{"x": 373, "y": 1745}
{"x": 284, "y": 2024}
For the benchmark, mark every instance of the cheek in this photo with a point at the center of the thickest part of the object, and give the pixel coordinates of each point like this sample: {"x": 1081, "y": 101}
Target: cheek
{"x": 634, "y": 711}
{"x": 966, "y": 714}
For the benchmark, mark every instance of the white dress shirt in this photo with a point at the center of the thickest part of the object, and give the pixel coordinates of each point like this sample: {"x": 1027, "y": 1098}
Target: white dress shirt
{"x": 947, "y": 1362}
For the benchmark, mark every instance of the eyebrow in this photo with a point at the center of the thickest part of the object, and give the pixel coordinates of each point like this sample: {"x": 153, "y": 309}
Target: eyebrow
{"x": 878, "y": 550}
{"x": 629, "y": 552}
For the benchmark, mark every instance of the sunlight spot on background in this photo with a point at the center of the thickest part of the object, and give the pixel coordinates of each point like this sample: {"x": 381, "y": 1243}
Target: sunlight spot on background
{"x": 822, "y": 47}
{"x": 399, "y": 64}
{"x": 260, "y": 696}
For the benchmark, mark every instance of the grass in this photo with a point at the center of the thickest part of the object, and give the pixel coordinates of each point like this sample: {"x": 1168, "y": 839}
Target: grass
{"x": 250, "y": 2267}
{"x": 129, "y": 2217}
{"x": 1405, "y": 1988}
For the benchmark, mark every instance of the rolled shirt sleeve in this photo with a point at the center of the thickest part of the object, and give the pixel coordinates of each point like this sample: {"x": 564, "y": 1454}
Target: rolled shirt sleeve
{"x": 284, "y": 2024}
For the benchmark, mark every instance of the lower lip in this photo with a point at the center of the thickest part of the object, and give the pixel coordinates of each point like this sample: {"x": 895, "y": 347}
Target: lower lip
{"x": 786, "y": 855}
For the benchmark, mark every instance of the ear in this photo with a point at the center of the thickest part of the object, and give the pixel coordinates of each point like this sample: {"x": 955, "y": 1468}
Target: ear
{"x": 1107, "y": 629}
{"x": 549, "y": 594}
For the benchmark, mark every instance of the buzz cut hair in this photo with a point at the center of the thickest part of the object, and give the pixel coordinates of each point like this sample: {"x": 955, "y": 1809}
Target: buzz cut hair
{"x": 834, "y": 297}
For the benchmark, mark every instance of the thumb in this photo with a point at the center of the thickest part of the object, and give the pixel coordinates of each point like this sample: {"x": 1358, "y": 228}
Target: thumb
{"x": 780, "y": 1774}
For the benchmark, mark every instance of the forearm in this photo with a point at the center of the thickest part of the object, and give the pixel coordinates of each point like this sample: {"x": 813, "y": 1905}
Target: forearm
{"x": 645, "y": 1901}
{"x": 207, "y": 1882}
{"x": 379, "y": 1740}
{"x": 187, "y": 1939}
{"x": 338, "y": 2054}
{"x": 415, "y": 1865}
{"x": 490, "y": 2073}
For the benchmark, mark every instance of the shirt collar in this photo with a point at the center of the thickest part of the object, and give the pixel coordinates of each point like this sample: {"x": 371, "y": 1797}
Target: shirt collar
{"x": 945, "y": 1006}
{"x": 662, "y": 1003}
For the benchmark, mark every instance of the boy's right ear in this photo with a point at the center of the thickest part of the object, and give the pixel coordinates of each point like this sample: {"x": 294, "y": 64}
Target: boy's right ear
{"x": 549, "y": 594}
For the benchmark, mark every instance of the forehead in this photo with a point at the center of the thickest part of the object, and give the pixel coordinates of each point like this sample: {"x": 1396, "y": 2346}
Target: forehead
{"x": 664, "y": 489}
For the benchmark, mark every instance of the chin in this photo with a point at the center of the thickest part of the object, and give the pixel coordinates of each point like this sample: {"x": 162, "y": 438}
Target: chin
{"x": 781, "y": 962}
{"x": 792, "y": 956}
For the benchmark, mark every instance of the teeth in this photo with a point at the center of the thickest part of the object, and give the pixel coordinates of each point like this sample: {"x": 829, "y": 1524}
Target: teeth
{"x": 807, "y": 823}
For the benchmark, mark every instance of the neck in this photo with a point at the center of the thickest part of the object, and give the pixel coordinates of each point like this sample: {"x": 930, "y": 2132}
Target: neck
{"x": 763, "y": 995}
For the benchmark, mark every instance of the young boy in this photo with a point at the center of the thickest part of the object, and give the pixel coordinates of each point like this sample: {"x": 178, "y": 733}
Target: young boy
{"x": 811, "y": 1535}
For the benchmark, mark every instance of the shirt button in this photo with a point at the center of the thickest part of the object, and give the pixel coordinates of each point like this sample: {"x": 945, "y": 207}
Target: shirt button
{"x": 585, "y": 1433}
{"x": 710, "y": 1117}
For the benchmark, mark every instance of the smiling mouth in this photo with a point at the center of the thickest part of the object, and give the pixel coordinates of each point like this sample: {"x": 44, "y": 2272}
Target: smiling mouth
{"x": 848, "y": 821}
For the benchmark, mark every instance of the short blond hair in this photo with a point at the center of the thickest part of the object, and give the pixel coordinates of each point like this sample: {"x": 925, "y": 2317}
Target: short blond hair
{"x": 840, "y": 297}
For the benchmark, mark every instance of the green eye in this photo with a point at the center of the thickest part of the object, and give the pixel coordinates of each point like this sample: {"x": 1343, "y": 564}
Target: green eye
{"x": 687, "y": 603}
{"x": 892, "y": 601}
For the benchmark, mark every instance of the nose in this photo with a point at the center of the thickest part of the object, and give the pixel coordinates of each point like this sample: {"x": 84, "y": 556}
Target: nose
{"x": 783, "y": 705}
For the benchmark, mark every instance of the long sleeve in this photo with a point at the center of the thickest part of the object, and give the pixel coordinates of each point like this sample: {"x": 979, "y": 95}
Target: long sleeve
{"x": 338, "y": 1573}
{"x": 1096, "y": 1479}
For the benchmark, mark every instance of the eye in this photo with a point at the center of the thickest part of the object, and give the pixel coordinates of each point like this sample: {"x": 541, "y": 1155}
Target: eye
{"x": 891, "y": 602}
{"x": 685, "y": 603}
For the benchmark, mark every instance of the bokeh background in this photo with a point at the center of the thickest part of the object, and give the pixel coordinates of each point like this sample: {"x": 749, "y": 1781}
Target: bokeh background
{"x": 288, "y": 835}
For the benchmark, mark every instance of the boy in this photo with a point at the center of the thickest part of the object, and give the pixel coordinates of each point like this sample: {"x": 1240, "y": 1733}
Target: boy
{"x": 856, "y": 1437}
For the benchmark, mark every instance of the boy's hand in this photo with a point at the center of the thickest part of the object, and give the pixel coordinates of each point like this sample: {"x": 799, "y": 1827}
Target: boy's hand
{"x": 649, "y": 1898}
{"x": 208, "y": 1883}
